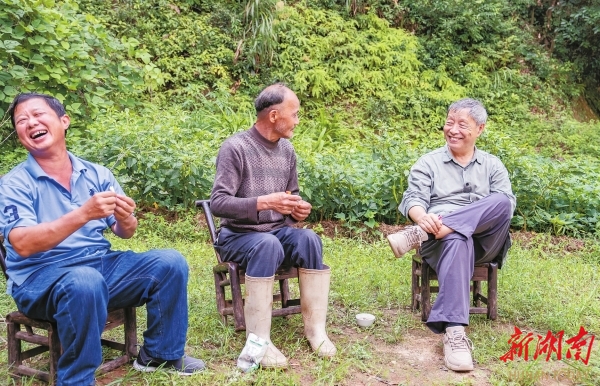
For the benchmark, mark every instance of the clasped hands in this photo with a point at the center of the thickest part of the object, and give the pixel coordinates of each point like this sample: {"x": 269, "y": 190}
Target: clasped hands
{"x": 291, "y": 204}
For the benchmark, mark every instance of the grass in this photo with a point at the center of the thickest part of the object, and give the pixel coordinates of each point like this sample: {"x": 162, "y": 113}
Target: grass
{"x": 548, "y": 284}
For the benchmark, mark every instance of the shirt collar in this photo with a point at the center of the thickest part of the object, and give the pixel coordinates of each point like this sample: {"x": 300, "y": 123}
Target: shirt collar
{"x": 477, "y": 156}
{"x": 34, "y": 169}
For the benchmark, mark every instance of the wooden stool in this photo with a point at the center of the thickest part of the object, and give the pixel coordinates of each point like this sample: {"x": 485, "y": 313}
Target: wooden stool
{"x": 229, "y": 274}
{"x": 422, "y": 274}
{"x": 49, "y": 342}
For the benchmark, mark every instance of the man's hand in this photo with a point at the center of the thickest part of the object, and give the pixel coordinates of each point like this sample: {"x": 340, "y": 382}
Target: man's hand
{"x": 126, "y": 224}
{"x": 301, "y": 210}
{"x": 100, "y": 205}
{"x": 283, "y": 203}
{"x": 430, "y": 223}
{"x": 124, "y": 207}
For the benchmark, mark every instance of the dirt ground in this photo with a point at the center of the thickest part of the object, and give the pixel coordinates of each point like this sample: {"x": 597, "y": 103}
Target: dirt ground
{"x": 417, "y": 360}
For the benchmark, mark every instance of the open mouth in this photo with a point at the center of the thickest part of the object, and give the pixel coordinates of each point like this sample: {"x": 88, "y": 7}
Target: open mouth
{"x": 38, "y": 134}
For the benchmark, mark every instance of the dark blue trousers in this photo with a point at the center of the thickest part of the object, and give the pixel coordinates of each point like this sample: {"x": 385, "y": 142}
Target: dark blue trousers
{"x": 262, "y": 253}
{"x": 481, "y": 234}
{"x": 77, "y": 296}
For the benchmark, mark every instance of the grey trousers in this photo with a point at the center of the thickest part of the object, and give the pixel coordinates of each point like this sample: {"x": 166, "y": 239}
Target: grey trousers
{"x": 481, "y": 234}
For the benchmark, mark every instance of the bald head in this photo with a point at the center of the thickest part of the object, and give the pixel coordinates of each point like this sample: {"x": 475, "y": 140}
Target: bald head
{"x": 277, "y": 110}
{"x": 270, "y": 96}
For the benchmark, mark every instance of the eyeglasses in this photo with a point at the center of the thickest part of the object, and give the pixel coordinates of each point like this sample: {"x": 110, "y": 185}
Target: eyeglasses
{"x": 461, "y": 126}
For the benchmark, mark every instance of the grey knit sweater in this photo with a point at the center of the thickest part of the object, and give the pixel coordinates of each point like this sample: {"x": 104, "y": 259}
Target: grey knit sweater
{"x": 248, "y": 166}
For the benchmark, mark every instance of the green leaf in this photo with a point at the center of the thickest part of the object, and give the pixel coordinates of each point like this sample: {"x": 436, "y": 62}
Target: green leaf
{"x": 10, "y": 91}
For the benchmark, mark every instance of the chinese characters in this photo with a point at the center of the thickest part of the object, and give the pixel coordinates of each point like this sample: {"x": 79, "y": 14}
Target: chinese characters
{"x": 579, "y": 347}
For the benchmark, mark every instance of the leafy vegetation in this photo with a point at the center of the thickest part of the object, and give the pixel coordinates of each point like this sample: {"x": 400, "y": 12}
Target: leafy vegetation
{"x": 156, "y": 86}
{"x": 172, "y": 80}
{"x": 50, "y": 47}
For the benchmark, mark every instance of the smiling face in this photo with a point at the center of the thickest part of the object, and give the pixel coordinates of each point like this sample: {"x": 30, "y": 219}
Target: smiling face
{"x": 461, "y": 131}
{"x": 38, "y": 126}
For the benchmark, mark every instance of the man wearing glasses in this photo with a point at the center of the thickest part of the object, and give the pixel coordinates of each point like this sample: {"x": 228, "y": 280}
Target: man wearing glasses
{"x": 461, "y": 201}
{"x": 255, "y": 193}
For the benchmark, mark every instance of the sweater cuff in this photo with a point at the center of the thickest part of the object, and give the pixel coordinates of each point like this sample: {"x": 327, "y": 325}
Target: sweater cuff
{"x": 252, "y": 209}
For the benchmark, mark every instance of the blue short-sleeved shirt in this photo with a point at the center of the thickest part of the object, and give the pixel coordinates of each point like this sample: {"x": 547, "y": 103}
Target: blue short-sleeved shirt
{"x": 28, "y": 196}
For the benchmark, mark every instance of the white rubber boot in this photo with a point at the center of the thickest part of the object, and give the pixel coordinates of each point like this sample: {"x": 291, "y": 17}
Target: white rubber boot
{"x": 258, "y": 306}
{"x": 314, "y": 294}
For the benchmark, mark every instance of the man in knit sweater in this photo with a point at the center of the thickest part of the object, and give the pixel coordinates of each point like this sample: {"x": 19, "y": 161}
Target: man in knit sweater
{"x": 256, "y": 195}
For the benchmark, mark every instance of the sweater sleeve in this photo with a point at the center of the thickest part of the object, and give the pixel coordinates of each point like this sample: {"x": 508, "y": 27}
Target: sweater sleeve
{"x": 228, "y": 178}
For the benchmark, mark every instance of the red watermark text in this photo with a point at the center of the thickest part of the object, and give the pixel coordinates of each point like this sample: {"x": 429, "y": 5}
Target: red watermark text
{"x": 578, "y": 347}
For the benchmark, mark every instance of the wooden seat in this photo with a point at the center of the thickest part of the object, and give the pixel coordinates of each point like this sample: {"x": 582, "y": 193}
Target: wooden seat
{"x": 423, "y": 274}
{"x": 43, "y": 336}
{"x": 229, "y": 274}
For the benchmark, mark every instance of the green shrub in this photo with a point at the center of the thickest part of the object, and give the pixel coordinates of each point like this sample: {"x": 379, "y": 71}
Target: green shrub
{"x": 164, "y": 157}
{"x": 51, "y": 47}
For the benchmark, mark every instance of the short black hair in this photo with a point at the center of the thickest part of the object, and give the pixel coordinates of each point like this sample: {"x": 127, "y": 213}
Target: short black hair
{"x": 54, "y": 104}
{"x": 270, "y": 96}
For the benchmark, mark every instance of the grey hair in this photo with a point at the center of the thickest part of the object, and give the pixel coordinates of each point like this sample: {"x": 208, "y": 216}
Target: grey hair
{"x": 476, "y": 109}
{"x": 270, "y": 96}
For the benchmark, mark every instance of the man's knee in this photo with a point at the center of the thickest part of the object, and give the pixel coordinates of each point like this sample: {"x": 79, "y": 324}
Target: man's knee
{"x": 174, "y": 259}
{"x": 167, "y": 262}
{"x": 308, "y": 236}
{"x": 83, "y": 280}
{"x": 502, "y": 201}
{"x": 267, "y": 246}
{"x": 81, "y": 287}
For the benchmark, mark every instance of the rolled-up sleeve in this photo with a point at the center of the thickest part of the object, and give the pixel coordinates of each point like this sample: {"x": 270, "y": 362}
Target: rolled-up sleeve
{"x": 420, "y": 180}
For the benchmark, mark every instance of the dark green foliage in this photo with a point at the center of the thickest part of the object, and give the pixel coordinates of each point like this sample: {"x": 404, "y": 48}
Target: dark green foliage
{"x": 374, "y": 78}
{"x": 164, "y": 157}
{"x": 571, "y": 31}
{"x": 188, "y": 44}
{"x": 50, "y": 47}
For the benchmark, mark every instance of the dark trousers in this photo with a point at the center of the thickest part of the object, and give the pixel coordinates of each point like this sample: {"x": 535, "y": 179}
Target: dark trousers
{"x": 481, "y": 234}
{"x": 76, "y": 297}
{"x": 262, "y": 253}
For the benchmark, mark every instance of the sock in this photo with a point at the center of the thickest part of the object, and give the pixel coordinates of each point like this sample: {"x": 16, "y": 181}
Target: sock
{"x": 452, "y": 324}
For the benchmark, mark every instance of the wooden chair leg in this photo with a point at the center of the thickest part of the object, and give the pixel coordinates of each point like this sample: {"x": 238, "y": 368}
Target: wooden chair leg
{"x": 492, "y": 291}
{"x": 284, "y": 289}
{"x": 237, "y": 302}
{"x": 55, "y": 351}
{"x": 476, "y": 293}
{"x": 415, "y": 290}
{"x": 14, "y": 344}
{"x": 130, "y": 328}
{"x": 425, "y": 291}
{"x": 220, "y": 294}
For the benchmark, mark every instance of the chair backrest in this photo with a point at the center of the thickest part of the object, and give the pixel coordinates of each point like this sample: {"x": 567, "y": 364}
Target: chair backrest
{"x": 3, "y": 258}
{"x": 210, "y": 222}
{"x": 3, "y": 252}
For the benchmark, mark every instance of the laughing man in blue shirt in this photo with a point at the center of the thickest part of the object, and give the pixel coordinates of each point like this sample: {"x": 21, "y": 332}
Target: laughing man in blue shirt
{"x": 54, "y": 209}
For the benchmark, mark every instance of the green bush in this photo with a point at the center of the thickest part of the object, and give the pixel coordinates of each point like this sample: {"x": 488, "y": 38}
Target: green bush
{"x": 51, "y": 47}
{"x": 163, "y": 157}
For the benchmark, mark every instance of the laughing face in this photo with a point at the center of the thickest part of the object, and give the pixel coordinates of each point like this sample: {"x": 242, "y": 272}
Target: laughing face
{"x": 461, "y": 132}
{"x": 39, "y": 127}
